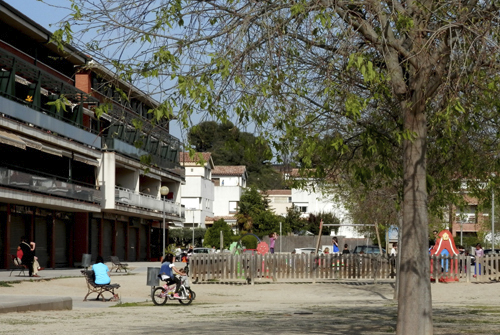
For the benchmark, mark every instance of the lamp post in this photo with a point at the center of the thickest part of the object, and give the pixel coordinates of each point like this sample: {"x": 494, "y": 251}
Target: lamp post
{"x": 193, "y": 225}
{"x": 164, "y": 191}
{"x": 492, "y": 221}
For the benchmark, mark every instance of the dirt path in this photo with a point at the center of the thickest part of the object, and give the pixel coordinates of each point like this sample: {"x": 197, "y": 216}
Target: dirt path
{"x": 257, "y": 309}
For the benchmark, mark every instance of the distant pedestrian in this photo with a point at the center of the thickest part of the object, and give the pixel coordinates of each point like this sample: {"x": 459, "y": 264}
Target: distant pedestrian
{"x": 335, "y": 246}
{"x": 346, "y": 250}
{"x": 394, "y": 249}
{"x": 479, "y": 254}
{"x": 272, "y": 240}
{"x": 28, "y": 256}
{"x": 393, "y": 254}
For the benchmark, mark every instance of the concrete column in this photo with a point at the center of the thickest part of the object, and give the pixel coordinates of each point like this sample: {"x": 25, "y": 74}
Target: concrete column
{"x": 100, "y": 236}
{"x": 6, "y": 239}
{"x": 81, "y": 235}
{"x": 148, "y": 240}
{"x": 127, "y": 236}
{"x": 108, "y": 180}
{"x": 113, "y": 246}
{"x": 70, "y": 245}
{"x": 51, "y": 232}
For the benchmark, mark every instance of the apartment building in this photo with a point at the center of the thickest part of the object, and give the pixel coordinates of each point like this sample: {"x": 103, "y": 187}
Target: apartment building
{"x": 198, "y": 191}
{"x": 70, "y": 181}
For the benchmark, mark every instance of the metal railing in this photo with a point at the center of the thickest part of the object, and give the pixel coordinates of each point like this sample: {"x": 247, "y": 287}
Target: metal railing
{"x": 48, "y": 185}
{"x": 128, "y": 197}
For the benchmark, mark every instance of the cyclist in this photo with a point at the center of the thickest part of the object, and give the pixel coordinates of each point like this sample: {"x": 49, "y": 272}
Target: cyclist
{"x": 167, "y": 273}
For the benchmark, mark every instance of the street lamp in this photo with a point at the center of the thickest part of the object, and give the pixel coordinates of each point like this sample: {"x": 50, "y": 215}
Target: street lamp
{"x": 193, "y": 225}
{"x": 164, "y": 191}
{"x": 493, "y": 220}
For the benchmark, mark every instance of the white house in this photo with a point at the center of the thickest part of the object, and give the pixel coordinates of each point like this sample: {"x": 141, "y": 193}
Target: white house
{"x": 310, "y": 201}
{"x": 197, "y": 195}
{"x": 229, "y": 184}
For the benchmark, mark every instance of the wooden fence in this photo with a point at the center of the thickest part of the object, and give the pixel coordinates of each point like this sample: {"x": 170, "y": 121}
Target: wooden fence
{"x": 281, "y": 267}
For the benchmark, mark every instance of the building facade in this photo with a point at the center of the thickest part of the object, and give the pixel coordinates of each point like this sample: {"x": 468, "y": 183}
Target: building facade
{"x": 70, "y": 181}
{"x": 198, "y": 191}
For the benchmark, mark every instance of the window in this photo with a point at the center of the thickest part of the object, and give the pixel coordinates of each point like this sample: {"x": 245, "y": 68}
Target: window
{"x": 233, "y": 206}
{"x": 302, "y": 209}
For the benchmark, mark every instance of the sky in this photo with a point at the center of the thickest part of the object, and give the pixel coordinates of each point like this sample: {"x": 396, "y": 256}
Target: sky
{"x": 46, "y": 16}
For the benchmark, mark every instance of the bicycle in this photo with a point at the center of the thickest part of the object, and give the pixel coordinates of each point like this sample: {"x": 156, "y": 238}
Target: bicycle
{"x": 162, "y": 294}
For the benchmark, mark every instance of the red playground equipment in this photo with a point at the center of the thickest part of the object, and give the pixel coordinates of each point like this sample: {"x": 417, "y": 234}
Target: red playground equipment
{"x": 445, "y": 247}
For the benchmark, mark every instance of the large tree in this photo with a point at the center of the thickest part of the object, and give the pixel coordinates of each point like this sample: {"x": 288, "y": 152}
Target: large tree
{"x": 369, "y": 87}
{"x": 230, "y": 146}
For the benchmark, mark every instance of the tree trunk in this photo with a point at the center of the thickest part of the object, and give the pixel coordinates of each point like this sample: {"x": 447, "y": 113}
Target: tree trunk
{"x": 414, "y": 299}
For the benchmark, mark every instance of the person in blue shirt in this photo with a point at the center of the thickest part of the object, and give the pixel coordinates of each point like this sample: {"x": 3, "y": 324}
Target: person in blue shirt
{"x": 101, "y": 272}
{"x": 168, "y": 271}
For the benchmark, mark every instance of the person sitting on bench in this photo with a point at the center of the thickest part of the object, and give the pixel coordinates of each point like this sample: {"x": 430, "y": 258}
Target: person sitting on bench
{"x": 101, "y": 272}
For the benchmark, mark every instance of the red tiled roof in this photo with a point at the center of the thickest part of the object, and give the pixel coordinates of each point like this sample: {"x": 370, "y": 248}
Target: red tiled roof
{"x": 229, "y": 170}
{"x": 184, "y": 157}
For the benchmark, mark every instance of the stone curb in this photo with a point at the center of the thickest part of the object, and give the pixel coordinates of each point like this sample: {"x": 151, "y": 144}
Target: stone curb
{"x": 37, "y": 304}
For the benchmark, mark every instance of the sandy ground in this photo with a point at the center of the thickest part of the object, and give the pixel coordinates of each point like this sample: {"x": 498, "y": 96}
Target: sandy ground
{"x": 276, "y": 308}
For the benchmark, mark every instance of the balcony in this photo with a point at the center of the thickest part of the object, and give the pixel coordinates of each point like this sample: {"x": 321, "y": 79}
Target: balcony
{"x": 26, "y": 91}
{"x": 127, "y": 197}
{"x": 48, "y": 185}
{"x": 128, "y": 142}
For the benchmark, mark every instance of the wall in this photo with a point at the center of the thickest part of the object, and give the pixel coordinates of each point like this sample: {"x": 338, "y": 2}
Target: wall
{"x": 289, "y": 243}
{"x": 222, "y": 196}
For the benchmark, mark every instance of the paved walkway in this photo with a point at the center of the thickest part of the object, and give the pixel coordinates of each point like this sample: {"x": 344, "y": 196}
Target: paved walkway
{"x": 18, "y": 303}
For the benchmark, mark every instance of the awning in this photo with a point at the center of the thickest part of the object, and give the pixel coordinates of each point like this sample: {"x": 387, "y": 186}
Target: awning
{"x": 42, "y": 147}
{"x": 52, "y": 151}
{"x": 12, "y": 139}
{"x": 85, "y": 160}
{"x": 33, "y": 144}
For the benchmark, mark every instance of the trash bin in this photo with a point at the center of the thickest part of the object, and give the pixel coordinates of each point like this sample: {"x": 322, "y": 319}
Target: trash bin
{"x": 86, "y": 260}
{"x": 153, "y": 279}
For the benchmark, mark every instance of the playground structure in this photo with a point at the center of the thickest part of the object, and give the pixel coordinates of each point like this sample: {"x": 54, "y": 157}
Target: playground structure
{"x": 445, "y": 247}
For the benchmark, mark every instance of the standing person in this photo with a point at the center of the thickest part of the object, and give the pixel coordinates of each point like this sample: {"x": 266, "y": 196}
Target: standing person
{"x": 394, "y": 249}
{"x": 272, "y": 240}
{"x": 36, "y": 265}
{"x": 335, "y": 247}
{"x": 28, "y": 257}
{"x": 479, "y": 254}
{"x": 101, "y": 272}
{"x": 393, "y": 254}
{"x": 346, "y": 250}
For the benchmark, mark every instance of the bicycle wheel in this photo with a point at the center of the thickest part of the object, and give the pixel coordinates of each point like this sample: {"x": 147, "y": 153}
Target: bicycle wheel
{"x": 157, "y": 297}
{"x": 189, "y": 297}
{"x": 193, "y": 295}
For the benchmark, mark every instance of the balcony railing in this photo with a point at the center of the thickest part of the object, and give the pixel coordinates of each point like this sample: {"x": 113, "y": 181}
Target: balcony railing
{"x": 140, "y": 200}
{"x": 48, "y": 185}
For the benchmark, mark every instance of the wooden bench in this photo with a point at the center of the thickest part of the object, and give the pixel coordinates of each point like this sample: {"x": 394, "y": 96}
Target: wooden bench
{"x": 17, "y": 265}
{"x": 117, "y": 264}
{"x": 99, "y": 289}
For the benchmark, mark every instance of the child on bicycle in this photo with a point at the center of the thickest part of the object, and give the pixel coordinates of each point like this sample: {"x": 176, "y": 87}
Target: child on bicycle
{"x": 168, "y": 271}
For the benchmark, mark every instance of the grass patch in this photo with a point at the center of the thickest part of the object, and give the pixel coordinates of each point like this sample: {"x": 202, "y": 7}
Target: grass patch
{"x": 9, "y": 283}
{"x": 134, "y": 304}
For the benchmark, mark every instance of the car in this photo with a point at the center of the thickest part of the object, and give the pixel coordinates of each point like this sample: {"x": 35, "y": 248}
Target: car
{"x": 299, "y": 251}
{"x": 488, "y": 251}
{"x": 250, "y": 251}
{"x": 368, "y": 249}
{"x": 202, "y": 251}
